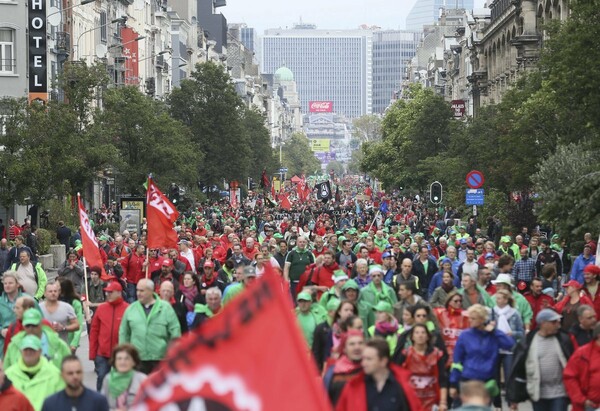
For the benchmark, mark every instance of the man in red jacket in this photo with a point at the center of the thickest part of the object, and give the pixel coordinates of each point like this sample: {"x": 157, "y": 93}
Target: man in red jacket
{"x": 380, "y": 384}
{"x": 323, "y": 276}
{"x": 582, "y": 373}
{"x": 537, "y": 299}
{"x": 591, "y": 285}
{"x": 104, "y": 333}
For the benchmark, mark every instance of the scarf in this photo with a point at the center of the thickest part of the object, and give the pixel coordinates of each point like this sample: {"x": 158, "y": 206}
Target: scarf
{"x": 345, "y": 365}
{"x": 502, "y": 315}
{"x": 119, "y": 382}
{"x": 386, "y": 328}
{"x": 454, "y": 311}
{"x": 447, "y": 287}
{"x": 189, "y": 294}
{"x": 33, "y": 370}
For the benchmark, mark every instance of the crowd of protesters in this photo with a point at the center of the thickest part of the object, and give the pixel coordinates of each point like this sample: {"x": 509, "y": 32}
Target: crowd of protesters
{"x": 402, "y": 306}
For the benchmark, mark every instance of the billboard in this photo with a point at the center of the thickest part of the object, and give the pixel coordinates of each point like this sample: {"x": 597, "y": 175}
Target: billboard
{"x": 130, "y": 51}
{"x": 320, "y": 145}
{"x": 325, "y": 158}
{"x": 320, "y": 106}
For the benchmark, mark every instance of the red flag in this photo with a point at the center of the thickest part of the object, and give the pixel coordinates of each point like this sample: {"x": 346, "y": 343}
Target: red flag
{"x": 234, "y": 361}
{"x": 161, "y": 214}
{"x": 91, "y": 251}
{"x": 284, "y": 202}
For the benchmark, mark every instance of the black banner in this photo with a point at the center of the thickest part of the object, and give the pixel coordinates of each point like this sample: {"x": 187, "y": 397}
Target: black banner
{"x": 38, "y": 73}
{"x": 323, "y": 191}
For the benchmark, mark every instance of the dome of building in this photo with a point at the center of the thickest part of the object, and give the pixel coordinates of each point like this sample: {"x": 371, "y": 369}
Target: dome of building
{"x": 284, "y": 74}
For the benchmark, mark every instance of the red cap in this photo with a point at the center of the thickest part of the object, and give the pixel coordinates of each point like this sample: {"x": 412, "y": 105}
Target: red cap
{"x": 572, "y": 283}
{"x": 592, "y": 269}
{"x": 113, "y": 286}
{"x": 215, "y": 239}
{"x": 164, "y": 250}
{"x": 167, "y": 262}
{"x": 209, "y": 263}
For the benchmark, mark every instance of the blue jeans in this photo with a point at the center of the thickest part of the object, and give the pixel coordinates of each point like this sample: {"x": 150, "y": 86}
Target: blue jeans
{"x": 553, "y": 404}
{"x": 131, "y": 293}
{"x": 102, "y": 368}
{"x": 293, "y": 286}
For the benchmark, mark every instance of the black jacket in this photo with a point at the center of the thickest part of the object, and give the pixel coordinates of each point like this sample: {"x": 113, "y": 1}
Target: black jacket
{"x": 424, "y": 277}
{"x": 516, "y": 384}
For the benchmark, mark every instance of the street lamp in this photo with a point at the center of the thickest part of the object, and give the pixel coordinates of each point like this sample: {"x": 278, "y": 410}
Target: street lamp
{"x": 122, "y": 20}
{"x": 127, "y": 42}
{"x": 52, "y": 11}
{"x": 160, "y": 53}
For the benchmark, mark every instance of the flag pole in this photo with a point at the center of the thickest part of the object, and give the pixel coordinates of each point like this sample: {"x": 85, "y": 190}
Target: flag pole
{"x": 373, "y": 222}
{"x": 148, "y": 248}
{"x": 147, "y": 261}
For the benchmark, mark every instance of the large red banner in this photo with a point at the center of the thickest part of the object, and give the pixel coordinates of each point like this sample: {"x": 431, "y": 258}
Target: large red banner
{"x": 251, "y": 356}
{"x": 320, "y": 106}
{"x": 91, "y": 252}
{"x": 130, "y": 50}
{"x": 160, "y": 214}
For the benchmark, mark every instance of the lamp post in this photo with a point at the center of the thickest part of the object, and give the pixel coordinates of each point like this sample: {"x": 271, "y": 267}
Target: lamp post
{"x": 127, "y": 42}
{"x": 60, "y": 11}
{"x": 122, "y": 20}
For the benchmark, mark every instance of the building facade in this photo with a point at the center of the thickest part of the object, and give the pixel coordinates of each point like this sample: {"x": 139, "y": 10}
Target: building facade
{"x": 328, "y": 65}
{"x": 13, "y": 49}
{"x": 392, "y": 52}
{"x": 427, "y": 12}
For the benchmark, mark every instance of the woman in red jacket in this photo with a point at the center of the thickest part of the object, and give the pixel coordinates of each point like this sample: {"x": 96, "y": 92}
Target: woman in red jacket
{"x": 582, "y": 373}
{"x": 568, "y": 306}
{"x": 379, "y": 382}
{"x": 452, "y": 321}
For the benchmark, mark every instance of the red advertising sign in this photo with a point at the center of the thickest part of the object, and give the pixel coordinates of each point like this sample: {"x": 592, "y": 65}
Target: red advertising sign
{"x": 320, "y": 106}
{"x": 130, "y": 51}
{"x": 459, "y": 108}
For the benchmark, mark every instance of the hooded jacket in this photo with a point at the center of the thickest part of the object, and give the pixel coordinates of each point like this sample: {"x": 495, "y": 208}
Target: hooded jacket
{"x": 44, "y": 383}
{"x": 57, "y": 348}
{"x": 104, "y": 332}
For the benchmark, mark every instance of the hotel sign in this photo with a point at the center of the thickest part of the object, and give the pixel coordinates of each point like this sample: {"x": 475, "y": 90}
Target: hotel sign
{"x": 38, "y": 54}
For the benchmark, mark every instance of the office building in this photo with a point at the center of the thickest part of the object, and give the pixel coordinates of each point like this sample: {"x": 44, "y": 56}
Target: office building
{"x": 328, "y": 65}
{"x": 427, "y": 12}
{"x": 392, "y": 51}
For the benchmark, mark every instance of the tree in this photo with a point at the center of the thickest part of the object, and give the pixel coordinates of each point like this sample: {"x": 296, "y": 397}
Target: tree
{"x": 208, "y": 104}
{"x": 298, "y": 158}
{"x": 354, "y": 164}
{"x": 568, "y": 189}
{"x": 413, "y": 130}
{"x": 148, "y": 140}
{"x": 263, "y": 157}
{"x": 367, "y": 128}
{"x": 337, "y": 167}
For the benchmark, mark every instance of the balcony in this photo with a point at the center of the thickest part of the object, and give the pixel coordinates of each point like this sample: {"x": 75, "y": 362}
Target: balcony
{"x": 63, "y": 42}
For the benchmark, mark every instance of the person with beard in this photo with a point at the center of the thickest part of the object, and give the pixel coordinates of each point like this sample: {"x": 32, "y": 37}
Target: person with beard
{"x": 347, "y": 366}
{"x": 104, "y": 332}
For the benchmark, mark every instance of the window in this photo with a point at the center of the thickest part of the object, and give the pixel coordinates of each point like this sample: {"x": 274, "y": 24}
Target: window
{"x": 7, "y": 51}
{"x": 103, "y": 27}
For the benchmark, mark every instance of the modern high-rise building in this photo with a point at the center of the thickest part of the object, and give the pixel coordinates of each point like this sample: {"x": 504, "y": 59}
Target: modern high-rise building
{"x": 392, "y": 51}
{"x": 427, "y": 12}
{"x": 328, "y": 65}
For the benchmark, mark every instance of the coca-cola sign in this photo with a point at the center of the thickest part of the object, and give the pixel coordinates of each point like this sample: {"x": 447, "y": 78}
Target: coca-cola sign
{"x": 320, "y": 106}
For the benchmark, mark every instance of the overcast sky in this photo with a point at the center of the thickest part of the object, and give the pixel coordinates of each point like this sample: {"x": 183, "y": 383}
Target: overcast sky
{"x": 326, "y": 14}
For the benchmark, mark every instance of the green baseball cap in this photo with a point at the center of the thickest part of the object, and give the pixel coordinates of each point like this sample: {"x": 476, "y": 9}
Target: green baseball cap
{"x": 505, "y": 239}
{"x": 333, "y": 304}
{"x": 304, "y": 296}
{"x": 350, "y": 284}
{"x": 32, "y": 342}
{"x": 32, "y": 317}
{"x": 364, "y": 235}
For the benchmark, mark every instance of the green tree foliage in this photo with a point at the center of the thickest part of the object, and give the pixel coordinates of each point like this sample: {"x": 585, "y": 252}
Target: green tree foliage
{"x": 413, "y": 130}
{"x": 337, "y": 167}
{"x": 263, "y": 158}
{"x": 148, "y": 140}
{"x": 208, "y": 104}
{"x": 367, "y": 128}
{"x": 298, "y": 158}
{"x": 354, "y": 164}
{"x": 568, "y": 186}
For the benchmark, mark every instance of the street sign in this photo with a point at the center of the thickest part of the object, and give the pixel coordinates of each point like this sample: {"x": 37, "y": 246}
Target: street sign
{"x": 283, "y": 170}
{"x": 475, "y": 179}
{"x": 475, "y": 196}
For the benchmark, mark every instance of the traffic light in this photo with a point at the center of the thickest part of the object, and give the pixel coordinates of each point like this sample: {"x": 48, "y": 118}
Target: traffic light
{"x": 174, "y": 193}
{"x": 435, "y": 192}
{"x": 252, "y": 185}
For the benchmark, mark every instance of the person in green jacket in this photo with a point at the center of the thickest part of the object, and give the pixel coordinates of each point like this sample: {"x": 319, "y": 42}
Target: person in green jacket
{"x": 25, "y": 265}
{"x": 309, "y": 315}
{"x": 472, "y": 291}
{"x": 33, "y": 375}
{"x": 504, "y": 282}
{"x": 149, "y": 324}
{"x": 54, "y": 348}
{"x": 372, "y": 294}
{"x": 8, "y": 299}
{"x": 339, "y": 279}
{"x": 234, "y": 289}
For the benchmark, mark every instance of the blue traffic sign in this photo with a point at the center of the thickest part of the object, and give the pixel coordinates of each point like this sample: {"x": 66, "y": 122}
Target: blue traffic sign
{"x": 283, "y": 170}
{"x": 474, "y": 196}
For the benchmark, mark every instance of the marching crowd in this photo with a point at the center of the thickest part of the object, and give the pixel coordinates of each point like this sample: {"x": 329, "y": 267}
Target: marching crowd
{"x": 402, "y": 307}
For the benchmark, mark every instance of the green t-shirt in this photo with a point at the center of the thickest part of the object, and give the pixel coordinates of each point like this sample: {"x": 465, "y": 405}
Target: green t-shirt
{"x": 298, "y": 263}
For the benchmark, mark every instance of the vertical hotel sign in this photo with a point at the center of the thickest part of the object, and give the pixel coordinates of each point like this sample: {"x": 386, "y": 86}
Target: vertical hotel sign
{"x": 38, "y": 54}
